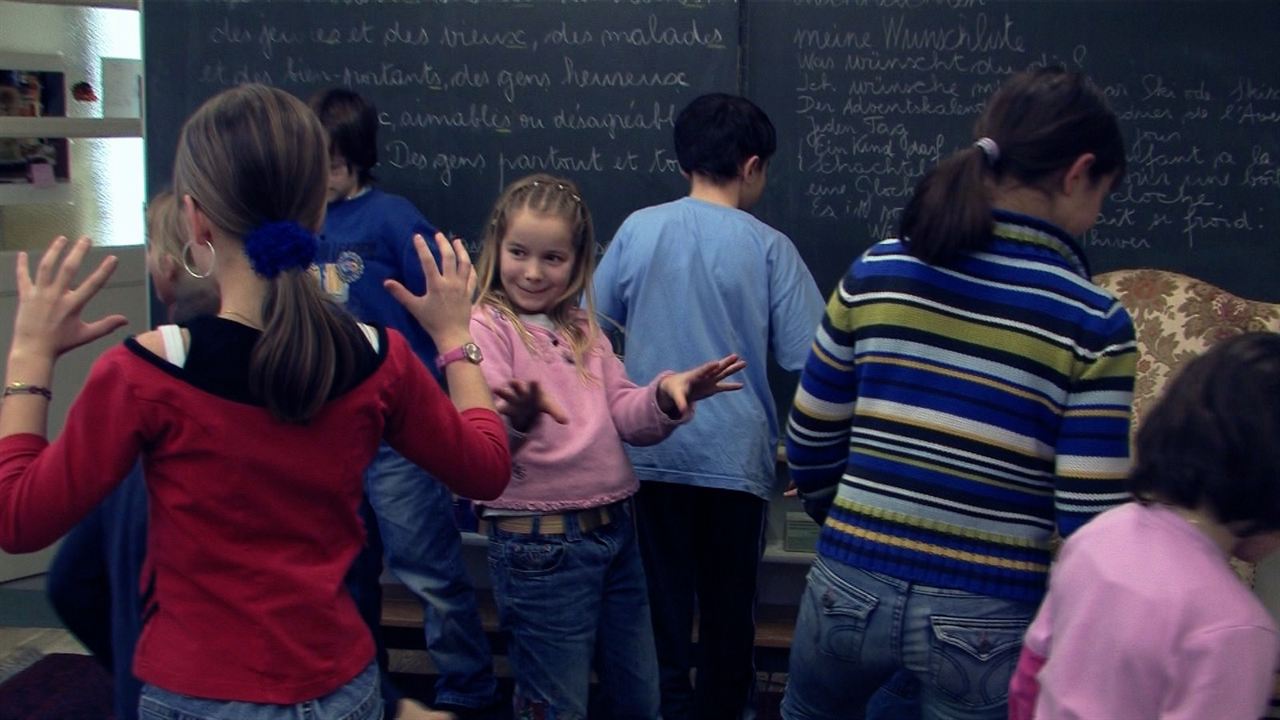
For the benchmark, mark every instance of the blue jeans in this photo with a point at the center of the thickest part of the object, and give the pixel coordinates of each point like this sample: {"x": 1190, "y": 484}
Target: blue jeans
{"x": 359, "y": 699}
{"x": 567, "y": 599}
{"x": 857, "y": 629}
{"x": 416, "y": 529}
{"x": 898, "y": 699}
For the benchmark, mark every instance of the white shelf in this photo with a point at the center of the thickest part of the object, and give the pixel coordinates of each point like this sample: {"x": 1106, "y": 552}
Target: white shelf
{"x": 28, "y": 194}
{"x": 775, "y": 554}
{"x": 109, "y": 4}
{"x": 64, "y": 127}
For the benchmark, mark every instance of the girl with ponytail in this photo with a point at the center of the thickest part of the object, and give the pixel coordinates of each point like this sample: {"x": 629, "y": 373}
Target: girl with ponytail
{"x": 254, "y": 427}
{"x": 967, "y": 396}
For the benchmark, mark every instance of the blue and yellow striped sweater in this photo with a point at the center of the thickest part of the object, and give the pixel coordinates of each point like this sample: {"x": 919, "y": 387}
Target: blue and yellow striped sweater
{"x": 966, "y": 411}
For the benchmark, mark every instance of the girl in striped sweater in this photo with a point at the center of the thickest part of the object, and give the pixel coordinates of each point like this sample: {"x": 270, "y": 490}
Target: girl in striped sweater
{"x": 967, "y": 396}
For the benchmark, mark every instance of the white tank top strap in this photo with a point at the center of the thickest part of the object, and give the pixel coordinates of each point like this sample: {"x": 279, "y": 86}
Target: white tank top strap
{"x": 175, "y": 345}
{"x": 370, "y": 334}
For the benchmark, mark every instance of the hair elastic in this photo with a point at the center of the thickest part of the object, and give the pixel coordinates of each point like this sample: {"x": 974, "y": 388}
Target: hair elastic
{"x": 990, "y": 149}
{"x": 275, "y": 247}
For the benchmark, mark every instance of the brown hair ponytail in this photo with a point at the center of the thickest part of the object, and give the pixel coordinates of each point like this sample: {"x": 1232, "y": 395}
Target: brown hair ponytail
{"x": 950, "y": 211}
{"x": 1037, "y": 124}
{"x": 252, "y": 156}
{"x": 307, "y": 350}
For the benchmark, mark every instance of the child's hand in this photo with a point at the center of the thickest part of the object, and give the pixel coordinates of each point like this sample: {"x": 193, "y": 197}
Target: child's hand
{"x": 524, "y": 403}
{"x": 47, "y": 322}
{"x": 445, "y": 310}
{"x": 678, "y": 391}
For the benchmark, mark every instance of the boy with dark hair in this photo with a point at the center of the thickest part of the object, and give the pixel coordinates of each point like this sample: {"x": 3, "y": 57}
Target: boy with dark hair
{"x": 736, "y": 285}
{"x": 367, "y": 239}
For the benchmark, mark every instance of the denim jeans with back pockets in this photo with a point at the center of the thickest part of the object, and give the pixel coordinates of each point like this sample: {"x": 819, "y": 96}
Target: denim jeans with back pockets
{"x": 569, "y": 599}
{"x": 857, "y": 628}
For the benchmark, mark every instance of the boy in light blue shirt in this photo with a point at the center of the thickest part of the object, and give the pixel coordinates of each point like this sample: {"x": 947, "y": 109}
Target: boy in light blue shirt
{"x": 696, "y": 278}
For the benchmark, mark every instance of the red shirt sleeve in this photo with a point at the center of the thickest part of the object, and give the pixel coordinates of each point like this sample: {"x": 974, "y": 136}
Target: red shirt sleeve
{"x": 45, "y": 488}
{"x": 466, "y": 451}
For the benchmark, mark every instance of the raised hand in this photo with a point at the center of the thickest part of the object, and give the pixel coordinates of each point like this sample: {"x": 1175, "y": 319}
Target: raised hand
{"x": 525, "y": 403}
{"x": 678, "y": 391}
{"x": 444, "y": 311}
{"x": 47, "y": 322}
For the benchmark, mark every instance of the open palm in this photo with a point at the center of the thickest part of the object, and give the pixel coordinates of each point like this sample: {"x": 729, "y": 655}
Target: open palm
{"x": 47, "y": 322}
{"x": 682, "y": 389}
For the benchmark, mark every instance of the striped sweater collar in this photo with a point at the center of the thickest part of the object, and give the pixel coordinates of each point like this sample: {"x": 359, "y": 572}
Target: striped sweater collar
{"x": 1034, "y": 231}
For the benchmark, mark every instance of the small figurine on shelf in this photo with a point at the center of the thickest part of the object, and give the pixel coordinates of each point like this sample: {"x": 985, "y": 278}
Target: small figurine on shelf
{"x": 84, "y": 92}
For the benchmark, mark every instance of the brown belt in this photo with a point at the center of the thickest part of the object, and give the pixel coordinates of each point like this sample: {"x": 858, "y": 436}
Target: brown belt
{"x": 585, "y": 520}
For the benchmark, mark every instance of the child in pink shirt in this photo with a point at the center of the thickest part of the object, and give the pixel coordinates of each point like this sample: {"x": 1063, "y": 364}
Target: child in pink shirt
{"x": 566, "y": 568}
{"x": 1145, "y": 617}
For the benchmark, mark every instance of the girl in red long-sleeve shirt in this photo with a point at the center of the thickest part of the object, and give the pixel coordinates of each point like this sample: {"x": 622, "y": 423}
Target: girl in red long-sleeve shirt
{"x": 253, "y": 426}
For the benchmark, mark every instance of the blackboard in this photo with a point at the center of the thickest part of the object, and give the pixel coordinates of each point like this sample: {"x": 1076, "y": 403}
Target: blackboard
{"x": 866, "y": 95}
{"x": 472, "y": 93}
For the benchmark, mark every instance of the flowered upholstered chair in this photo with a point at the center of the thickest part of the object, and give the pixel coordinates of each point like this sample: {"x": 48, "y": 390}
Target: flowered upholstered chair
{"x": 1176, "y": 318}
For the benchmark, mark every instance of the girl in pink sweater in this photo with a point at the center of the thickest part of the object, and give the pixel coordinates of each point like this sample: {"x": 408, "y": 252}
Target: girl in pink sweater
{"x": 1144, "y": 617}
{"x": 566, "y": 568}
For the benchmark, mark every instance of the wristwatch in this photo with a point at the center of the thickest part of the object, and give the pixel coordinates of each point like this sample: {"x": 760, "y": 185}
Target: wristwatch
{"x": 469, "y": 352}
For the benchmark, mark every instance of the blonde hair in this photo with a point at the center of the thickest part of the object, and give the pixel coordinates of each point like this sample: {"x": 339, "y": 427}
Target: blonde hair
{"x": 167, "y": 234}
{"x": 559, "y": 198}
{"x": 253, "y": 155}
{"x": 166, "y": 231}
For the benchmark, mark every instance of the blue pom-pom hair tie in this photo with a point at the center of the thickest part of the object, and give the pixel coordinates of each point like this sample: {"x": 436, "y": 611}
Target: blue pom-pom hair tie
{"x": 275, "y": 247}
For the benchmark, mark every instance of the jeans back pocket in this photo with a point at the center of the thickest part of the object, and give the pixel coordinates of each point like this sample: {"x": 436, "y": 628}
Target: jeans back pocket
{"x": 973, "y": 658}
{"x": 844, "y": 611}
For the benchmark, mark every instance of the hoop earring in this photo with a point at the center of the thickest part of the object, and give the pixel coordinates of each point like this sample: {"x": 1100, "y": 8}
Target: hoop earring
{"x": 186, "y": 265}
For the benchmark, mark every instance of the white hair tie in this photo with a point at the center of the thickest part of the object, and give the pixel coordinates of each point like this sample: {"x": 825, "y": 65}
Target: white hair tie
{"x": 990, "y": 149}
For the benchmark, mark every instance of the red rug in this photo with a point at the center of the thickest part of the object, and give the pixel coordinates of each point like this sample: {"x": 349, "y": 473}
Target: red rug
{"x": 58, "y": 687}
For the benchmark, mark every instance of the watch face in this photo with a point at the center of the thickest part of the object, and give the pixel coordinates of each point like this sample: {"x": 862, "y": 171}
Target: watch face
{"x": 471, "y": 352}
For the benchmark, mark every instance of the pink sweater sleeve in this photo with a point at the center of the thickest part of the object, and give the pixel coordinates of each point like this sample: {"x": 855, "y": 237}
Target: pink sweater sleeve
{"x": 1024, "y": 686}
{"x": 634, "y": 408}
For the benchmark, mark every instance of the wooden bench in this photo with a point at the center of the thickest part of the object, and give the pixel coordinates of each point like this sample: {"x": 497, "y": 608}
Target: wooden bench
{"x": 402, "y": 626}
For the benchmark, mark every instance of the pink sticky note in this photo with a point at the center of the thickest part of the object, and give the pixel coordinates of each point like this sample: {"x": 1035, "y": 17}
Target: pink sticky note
{"x": 42, "y": 175}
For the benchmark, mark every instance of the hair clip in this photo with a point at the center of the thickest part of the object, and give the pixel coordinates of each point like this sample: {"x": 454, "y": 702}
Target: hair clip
{"x": 561, "y": 187}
